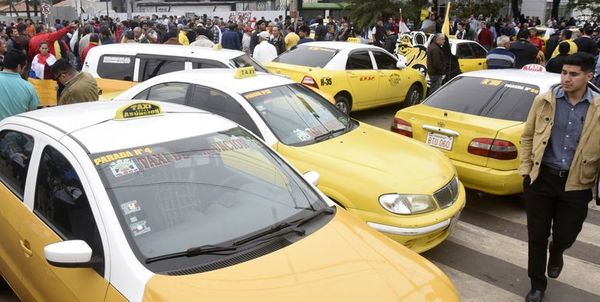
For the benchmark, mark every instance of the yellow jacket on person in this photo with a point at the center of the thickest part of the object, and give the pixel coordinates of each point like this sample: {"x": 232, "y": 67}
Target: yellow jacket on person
{"x": 183, "y": 39}
{"x": 586, "y": 161}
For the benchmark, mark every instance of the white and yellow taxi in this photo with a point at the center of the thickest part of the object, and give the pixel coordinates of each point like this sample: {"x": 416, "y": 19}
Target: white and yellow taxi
{"x": 398, "y": 186}
{"x": 143, "y": 201}
{"x": 477, "y": 120}
{"x": 357, "y": 76}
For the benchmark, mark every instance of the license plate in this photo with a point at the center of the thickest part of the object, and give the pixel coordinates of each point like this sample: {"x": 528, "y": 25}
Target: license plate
{"x": 439, "y": 140}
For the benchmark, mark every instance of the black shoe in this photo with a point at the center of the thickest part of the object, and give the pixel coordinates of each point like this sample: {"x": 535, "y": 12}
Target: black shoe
{"x": 534, "y": 295}
{"x": 555, "y": 263}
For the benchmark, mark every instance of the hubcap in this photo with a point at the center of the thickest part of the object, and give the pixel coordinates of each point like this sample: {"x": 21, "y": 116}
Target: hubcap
{"x": 414, "y": 97}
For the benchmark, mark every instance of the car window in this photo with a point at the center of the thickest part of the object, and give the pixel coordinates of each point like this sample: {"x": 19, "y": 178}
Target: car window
{"x": 199, "y": 63}
{"x": 167, "y": 92}
{"x": 478, "y": 51}
{"x": 384, "y": 61}
{"x": 485, "y": 97}
{"x": 202, "y": 190}
{"x": 310, "y": 56}
{"x": 15, "y": 153}
{"x": 359, "y": 60}
{"x": 513, "y": 102}
{"x": 116, "y": 67}
{"x": 217, "y": 102}
{"x": 61, "y": 202}
{"x": 463, "y": 51}
{"x": 151, "y": 67}
{"x": 246, "y": 61}
{"x": 297, "y": 115}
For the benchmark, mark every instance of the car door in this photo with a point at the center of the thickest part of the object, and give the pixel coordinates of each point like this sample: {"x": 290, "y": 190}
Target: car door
{"x": 480, "y": 56}
{"x": 63, "y": 210}
{"x": 392, "y": 82}
{"x": 15, "y": 153}
{"x": 465, "y": 57}
{"x": 362, "y": 78}
{"x": 151, "y": 66}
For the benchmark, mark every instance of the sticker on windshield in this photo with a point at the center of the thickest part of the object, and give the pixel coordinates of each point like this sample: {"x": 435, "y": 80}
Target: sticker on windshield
{"x": 108, "y": 158}
{"x": 523, "y": 88}
{"x": 254, "y": 94}
{"x": 302, "y": 135}
{"x": 139, "y": 228}
{"x": 130, "y": 207}
{"x": 123, "y": 167}
{"x": 116, "y": 60}
{"x": 491, "y": 82}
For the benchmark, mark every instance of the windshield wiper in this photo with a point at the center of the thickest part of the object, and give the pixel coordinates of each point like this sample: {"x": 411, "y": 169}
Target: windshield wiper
{"x": 274, "y": 231}
{"x": 328, "y": 134}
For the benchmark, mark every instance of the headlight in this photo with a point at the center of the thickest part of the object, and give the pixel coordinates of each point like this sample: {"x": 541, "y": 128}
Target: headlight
{"x": 407, "y": 203}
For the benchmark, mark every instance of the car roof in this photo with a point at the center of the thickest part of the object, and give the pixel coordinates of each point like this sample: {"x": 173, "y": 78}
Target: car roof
{"x": 544, "y": 80}
{"x": 167, "y": 50}
{"x": 223, "y": 79}
{"x": 341, "y": 45}
{"x": 94, "y": 126}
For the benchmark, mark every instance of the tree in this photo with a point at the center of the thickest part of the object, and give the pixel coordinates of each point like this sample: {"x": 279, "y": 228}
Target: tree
{"x": 366, "y": 12}
{"x": 554, "y": 12}
{"x": 516, "y": 11}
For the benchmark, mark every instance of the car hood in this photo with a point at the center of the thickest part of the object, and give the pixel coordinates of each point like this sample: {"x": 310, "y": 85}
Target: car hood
{"x": 343, "y": 261}
{"x": 381, "y": 158}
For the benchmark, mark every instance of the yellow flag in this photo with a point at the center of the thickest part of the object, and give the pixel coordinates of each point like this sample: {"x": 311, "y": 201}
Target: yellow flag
{"x": 424, "y": 13}
{"x": 446, "y": 25}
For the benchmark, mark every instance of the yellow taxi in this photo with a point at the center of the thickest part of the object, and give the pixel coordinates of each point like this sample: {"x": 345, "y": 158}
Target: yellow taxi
{"x": 357, "y": 76}
{"x": 477, "y": 120}
{"x": 400, "y": 187}
{"x": 149, "y": 201}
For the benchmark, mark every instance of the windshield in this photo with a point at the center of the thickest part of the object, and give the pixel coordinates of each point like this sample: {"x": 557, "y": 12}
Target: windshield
{"x": 202, "y": 190}
{"x": 310, "y": 56}
{"x": 246, "y": 61}
{"x": 297, "y": 115}
{"x": 486, "y": 97}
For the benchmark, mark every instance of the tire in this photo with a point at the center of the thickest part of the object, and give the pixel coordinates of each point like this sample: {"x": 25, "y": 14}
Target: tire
{"x": 413, "y": 96}
{"x": 343, "y": 103}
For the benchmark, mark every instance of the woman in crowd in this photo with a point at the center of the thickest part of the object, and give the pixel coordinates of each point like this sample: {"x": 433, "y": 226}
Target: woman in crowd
{"x": 40, "y": 66}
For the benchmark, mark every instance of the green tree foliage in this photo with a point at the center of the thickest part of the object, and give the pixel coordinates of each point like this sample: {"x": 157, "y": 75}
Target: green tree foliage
{"x": 366, "y": 12}
{"x": 592, "y": 5}
{"x": 465, "y": 9}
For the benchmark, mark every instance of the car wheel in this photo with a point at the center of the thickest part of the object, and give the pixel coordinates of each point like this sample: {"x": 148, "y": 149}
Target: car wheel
{"x": 342, "y": 103}
{"x": 413, "y": 96}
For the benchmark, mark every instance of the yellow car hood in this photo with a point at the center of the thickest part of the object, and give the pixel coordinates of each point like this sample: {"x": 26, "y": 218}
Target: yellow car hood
{"x": 343, "y": 261}
{"x": 390, "y": 160}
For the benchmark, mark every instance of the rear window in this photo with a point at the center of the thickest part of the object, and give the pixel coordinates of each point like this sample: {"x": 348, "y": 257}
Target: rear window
{"x": 246, "y": 61}
{"x": 486, "y": 97}
{"x": 310, "y": 56}
{"x": 116, "y": 67}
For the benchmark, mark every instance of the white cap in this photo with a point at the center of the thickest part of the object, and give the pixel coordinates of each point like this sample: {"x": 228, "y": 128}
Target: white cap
{"x": 264, "y": 34}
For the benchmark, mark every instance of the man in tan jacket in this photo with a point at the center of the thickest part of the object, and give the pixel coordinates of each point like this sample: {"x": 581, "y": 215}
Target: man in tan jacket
{"x": 560, "y": 160}
{"x": 77, "y": 86}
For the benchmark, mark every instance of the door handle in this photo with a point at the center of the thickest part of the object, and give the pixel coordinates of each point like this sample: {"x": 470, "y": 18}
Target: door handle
{"x": 26, "y": 247}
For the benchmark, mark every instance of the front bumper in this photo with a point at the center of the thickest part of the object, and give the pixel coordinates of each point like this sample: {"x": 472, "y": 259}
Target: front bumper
{"x": 488, "y": 180}
{"x": 420, "y": 232}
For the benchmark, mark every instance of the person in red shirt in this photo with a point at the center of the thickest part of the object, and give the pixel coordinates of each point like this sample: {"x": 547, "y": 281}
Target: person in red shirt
{"x": 485, "y": 36}
{"x": 534, "y": 39}
{"x": 94, "y": 40}
{"x": 50, "y": 38}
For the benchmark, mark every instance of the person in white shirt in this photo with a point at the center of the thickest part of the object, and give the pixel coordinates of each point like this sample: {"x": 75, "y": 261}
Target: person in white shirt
{"x": 264, "y": 51}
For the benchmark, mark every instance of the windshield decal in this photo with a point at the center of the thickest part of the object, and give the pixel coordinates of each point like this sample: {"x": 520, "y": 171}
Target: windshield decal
{"x": 254, "y": 94}
{"x": 136, "y": 217}
{"x": 123, "y": 167}
{"x": 302, "y": 135}
{"x": 491, "y": 82}
{"x": 523, "y": 88}
{"x": 116, "y": 60}
{"x": 105, "y": 159}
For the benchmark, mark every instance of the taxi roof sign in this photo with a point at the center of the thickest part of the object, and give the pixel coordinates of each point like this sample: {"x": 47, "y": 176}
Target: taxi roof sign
{"x": 244, "y": 72}
{"x": 353, "y": 40}
{"x": 534, "y": 67}
{"x": 138, "y": 110}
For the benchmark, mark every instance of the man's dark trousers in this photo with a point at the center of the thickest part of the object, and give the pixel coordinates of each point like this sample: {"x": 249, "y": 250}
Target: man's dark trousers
{"x": 550, "y": 207}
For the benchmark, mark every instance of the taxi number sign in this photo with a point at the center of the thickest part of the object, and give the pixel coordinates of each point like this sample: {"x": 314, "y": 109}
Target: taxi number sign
{"x": 439, "y": 141}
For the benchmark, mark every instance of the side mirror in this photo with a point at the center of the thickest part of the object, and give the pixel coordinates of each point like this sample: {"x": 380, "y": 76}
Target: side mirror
{"x": 312, "y": 177}
{"x": 401, "y": 64}
{"x": 71, "y": 253}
